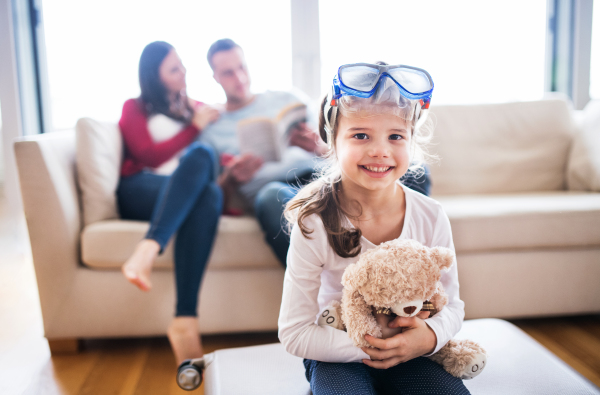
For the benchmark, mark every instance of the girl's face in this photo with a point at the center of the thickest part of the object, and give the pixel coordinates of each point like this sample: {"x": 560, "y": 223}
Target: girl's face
{"x": 172, "y": 73}
{"x": 373, "y": 152}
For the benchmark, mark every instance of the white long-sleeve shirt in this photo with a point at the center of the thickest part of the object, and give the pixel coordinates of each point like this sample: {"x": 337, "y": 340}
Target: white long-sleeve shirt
{"x": 314, "y": 274}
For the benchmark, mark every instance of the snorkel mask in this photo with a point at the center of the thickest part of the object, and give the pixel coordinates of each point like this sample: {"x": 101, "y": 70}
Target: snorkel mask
{"x": 383, "y": 84}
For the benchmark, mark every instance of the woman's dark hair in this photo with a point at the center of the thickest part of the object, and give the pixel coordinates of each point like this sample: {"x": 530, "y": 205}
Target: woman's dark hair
{"x": 154, "y": 96}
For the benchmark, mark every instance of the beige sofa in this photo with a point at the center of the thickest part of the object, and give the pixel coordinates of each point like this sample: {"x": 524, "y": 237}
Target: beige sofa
{"x": 519, "y": 182}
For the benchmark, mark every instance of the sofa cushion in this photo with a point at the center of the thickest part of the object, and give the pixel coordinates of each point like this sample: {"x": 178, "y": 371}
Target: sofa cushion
{"x": 479, "y": 223}
{"x": 239, "y": 244}
{"x": 501, "y": 148}
{"x": 523, "y": 221}
{"x": 583, "y": 172}
{"x": 98, "y": 156}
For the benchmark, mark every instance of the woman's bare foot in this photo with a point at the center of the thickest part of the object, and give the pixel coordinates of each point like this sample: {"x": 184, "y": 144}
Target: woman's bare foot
{"x": 139, "y": 265}
{"x": 184, "y": 336}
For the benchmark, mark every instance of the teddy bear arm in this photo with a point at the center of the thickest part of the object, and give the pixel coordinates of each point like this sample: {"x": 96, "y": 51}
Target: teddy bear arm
{"x": 439, "y": 298}
{"x": 358, "y": 318}
{"x": 464, "y": 359}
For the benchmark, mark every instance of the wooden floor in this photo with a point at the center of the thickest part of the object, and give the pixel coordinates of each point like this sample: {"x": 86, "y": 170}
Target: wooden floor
{"x": 128, "y": 366}
{"x": 146, "y": 366}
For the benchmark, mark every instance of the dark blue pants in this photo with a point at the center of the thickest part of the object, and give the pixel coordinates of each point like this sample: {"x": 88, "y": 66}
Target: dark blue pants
{"x": 189, "y": 203}
{"x": 271, "y": 200}
{"x": 417, "y": 376}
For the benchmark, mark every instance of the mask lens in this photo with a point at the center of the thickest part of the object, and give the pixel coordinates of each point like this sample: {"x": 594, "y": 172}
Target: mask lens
{"x": 414, "y": 81}
{"x": 360, "y": 78}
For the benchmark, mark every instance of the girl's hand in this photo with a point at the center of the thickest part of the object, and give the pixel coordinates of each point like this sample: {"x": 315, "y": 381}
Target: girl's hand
{"x": 416, "y": 339}
{"x": 204, "y": 115}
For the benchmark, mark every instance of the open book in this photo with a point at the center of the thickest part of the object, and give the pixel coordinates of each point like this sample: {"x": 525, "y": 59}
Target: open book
{"x": 267, "y": 137}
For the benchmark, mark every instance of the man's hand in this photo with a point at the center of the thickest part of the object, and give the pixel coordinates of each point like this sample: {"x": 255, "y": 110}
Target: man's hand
{"x": 416, "y": 339}
{"x": 304, "y": 137}
{"x": 241, "y": 169}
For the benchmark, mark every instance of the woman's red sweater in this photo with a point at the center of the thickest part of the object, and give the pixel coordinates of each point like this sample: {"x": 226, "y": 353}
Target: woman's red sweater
{"x": 140, "y": 150}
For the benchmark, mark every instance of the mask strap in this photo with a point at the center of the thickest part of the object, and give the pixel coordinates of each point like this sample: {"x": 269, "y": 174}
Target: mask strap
{"x": 421, "y": 112}
{"x": 330, "y": 105}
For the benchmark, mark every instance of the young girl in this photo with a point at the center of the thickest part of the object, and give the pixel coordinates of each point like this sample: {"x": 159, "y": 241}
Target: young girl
{"x": 371, "y": 121}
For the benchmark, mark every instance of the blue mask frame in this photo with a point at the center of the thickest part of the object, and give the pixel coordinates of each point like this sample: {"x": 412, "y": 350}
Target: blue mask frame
{"x": 345, "y": 90}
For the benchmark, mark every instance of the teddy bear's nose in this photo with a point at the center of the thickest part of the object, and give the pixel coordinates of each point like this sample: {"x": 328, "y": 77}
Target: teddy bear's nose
{"x": 409, "y": 309}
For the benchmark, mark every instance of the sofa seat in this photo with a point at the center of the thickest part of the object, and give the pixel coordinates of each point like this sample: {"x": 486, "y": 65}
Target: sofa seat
{"x": 558, "y": 219}
{"x": 480, "y": 223}
{"x": 239, "y": 245}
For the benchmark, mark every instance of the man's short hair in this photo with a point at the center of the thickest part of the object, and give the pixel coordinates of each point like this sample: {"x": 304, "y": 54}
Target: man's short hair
{"x": 224, "y": 44}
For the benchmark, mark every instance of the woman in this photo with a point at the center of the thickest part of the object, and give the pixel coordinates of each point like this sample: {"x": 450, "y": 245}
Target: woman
{"x": 169, "y": 179}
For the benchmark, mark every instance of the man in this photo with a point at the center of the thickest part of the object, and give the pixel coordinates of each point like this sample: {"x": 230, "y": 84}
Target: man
{"x": 265, "y": 186}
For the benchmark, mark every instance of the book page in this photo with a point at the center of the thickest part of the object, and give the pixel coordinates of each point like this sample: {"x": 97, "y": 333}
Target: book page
{"x": 287, "y": 120}
{"x": 257, "y": 136}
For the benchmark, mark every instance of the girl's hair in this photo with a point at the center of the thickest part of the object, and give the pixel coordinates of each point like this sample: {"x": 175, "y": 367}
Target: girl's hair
{"x": 154, "y": 97}
{"x": 322, "y": 196}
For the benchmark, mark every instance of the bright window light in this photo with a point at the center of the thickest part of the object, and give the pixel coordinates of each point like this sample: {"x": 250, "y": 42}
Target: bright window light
{"x": 476, "y": 51}
{"x": 595, "y": 63}
{"x": 93, "y": 48}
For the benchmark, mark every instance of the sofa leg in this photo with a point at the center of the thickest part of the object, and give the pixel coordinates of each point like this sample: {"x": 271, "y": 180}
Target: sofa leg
{"x": 64, "y": 346}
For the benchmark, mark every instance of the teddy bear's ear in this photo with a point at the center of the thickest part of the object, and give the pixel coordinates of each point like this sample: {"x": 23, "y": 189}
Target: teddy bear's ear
{"x": 443, "y": 257}
{"x": 355, "y": 276}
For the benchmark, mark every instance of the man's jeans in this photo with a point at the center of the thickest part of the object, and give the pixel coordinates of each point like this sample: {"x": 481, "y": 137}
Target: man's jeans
{"x": 272, "y": 198}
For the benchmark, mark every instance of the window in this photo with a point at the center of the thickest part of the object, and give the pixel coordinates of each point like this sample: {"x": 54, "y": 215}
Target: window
{"x": 475, "y": 51}
{"x": 93, "y": 48}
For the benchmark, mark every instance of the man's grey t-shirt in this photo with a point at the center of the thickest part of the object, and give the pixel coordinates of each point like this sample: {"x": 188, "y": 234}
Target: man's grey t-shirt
{"x": 222, "y": 136}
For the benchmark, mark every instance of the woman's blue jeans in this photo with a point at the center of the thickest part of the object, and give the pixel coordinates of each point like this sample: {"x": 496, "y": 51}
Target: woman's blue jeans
{"x": 189, "y": 203}
{"x": 271, "y": 200}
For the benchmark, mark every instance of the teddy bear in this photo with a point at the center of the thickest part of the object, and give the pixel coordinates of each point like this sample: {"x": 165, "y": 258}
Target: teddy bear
{"x": 399, "y": 278}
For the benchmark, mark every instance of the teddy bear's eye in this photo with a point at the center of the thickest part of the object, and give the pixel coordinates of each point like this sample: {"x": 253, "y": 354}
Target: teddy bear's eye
{"x": 325, "y": 313}
{"x": 330, "y": 320}
{"x": 475, "y": 368}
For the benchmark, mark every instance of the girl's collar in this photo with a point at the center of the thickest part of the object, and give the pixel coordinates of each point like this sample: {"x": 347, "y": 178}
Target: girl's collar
{"x": 407, "y": 215}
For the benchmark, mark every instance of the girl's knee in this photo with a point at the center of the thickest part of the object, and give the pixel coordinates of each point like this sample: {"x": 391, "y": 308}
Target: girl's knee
{"x": 333, "y": 378}
{"x": 407, "y": 376}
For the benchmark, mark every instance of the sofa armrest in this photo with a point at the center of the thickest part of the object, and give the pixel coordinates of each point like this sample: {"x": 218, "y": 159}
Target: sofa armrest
{"x": 46, "y": 167}
{"x": 583, "y": 170}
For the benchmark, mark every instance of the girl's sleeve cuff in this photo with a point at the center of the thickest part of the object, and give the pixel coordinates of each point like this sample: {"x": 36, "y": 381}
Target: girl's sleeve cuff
{"x": 440, "y": 334}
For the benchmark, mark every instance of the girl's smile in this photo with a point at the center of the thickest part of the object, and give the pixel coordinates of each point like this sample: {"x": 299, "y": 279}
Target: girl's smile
{"x": 377, "y": 170}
